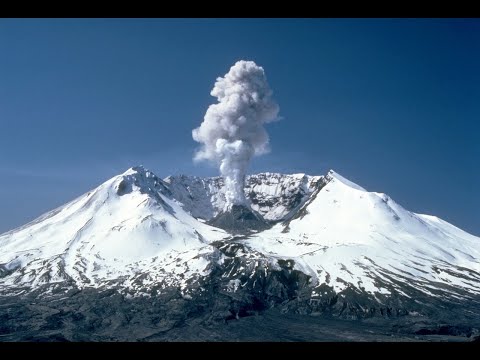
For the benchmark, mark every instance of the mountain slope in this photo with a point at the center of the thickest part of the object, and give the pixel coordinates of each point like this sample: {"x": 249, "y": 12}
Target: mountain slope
{"x": 325, "y": 245}
{"x": 347, "y": 237}
{"x": 126, "y": 226}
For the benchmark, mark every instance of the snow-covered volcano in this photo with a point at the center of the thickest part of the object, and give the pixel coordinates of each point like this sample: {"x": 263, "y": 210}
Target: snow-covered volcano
{"x": 326, "y": 238}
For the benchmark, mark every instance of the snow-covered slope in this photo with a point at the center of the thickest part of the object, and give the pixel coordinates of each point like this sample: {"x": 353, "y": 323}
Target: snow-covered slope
{"x": 127, "y": 226}
{"x": 141, "y": 232}
{"x": 346, "y": 236}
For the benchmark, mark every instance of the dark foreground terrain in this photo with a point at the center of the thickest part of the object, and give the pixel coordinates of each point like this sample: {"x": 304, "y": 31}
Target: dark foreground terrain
{"x": 109, "y": 316}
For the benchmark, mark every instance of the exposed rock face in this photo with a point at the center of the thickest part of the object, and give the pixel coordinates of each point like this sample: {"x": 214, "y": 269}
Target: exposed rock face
{"x": 275, "y": 197}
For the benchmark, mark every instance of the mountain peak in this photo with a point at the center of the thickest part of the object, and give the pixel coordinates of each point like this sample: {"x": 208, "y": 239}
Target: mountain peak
{"x": 139, "y": 169}
{"x": 332, "y": 174}
{"x": 139, "y": 178}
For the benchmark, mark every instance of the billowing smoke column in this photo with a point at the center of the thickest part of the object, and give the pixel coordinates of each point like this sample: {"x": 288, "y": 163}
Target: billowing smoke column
{"x": 233, "y": 130}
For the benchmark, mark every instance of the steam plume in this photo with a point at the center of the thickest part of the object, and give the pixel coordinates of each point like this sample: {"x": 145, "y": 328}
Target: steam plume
{"x": 233, "y": 130}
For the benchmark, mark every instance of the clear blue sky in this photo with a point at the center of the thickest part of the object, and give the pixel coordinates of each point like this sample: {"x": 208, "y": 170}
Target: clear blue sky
{"x": 393, "y": 105}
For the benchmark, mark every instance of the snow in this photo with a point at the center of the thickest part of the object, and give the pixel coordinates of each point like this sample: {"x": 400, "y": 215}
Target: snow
{"x": 344, "y": 181}
{"x": 145, "y": 230}
{"x": 347, "y": 229}
{"x": 204, "y": 198}
{"x": 104, "y": 235}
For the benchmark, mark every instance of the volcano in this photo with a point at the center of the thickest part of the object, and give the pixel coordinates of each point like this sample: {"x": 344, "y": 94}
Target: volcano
{"x": 145, "y": 258}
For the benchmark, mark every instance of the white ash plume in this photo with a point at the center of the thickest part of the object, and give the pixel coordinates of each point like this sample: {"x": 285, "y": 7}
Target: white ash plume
{"x": 232, "y": 131}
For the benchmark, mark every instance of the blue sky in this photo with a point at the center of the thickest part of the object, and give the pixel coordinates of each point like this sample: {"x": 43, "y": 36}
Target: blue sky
{"x": 393, "y": 105}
